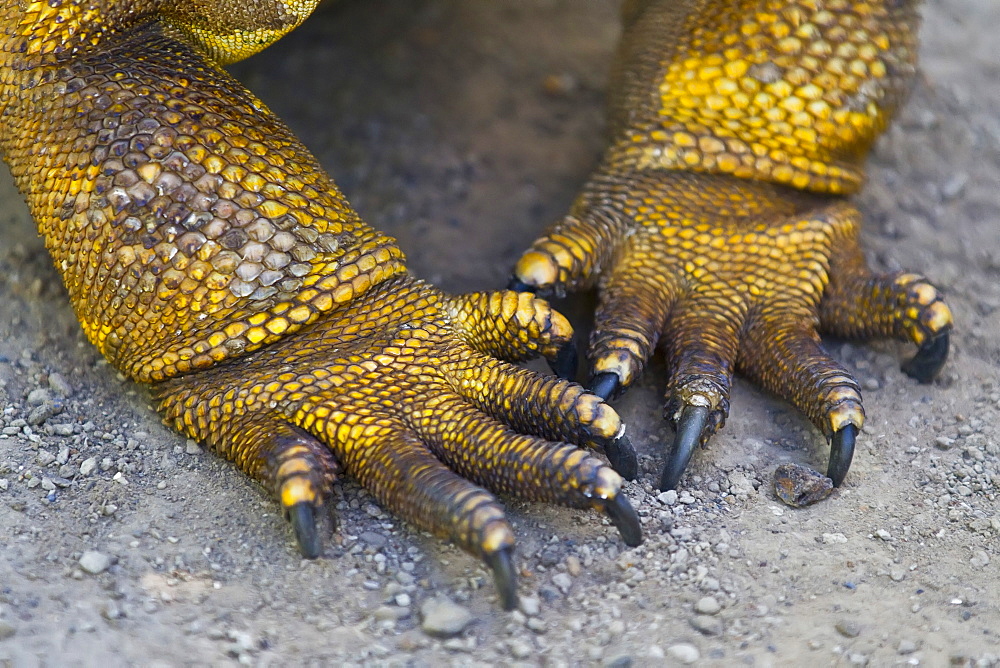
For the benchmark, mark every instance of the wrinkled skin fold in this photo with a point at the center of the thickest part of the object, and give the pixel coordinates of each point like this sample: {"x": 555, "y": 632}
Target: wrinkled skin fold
{"x": 208, "y": 254}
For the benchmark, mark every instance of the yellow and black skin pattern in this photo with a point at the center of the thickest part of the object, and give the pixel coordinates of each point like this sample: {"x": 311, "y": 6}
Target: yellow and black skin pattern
{"x": 717, "y": 224}
{"x": 207, "y": 254}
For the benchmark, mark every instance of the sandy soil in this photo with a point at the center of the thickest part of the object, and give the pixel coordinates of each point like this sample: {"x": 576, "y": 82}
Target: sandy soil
{"x": 463, "y": 128}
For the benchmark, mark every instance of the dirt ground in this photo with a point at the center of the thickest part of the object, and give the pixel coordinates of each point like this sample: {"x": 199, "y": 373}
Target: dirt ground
{"x": 463, "y": 128}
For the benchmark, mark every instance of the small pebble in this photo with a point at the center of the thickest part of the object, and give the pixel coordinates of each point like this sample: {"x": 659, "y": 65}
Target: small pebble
{"x": 59, "y": 384}
{"x": 707, "y": 605}
{"x": 740, "y": 484}
{"x": 530, "y": 605}
{"x": 38, "y": 396}
{"x": 39, "y": 414}
{"x": 6, "y": 631}
{"x": 684, "y": 653}
{"x": 563, "y": 581}
{"x": 519, "y": 649}
{"x": 88, "y": 466}
{"x": 848, "y": 628}
{"x": 667, "y": 498}
{"x": 460, "y": 645}
{"x": 536, "y": 625}
{"x": 95, "y": 562}
{"x": 573, "y": 566}
{"x": 710, "y": 626}
{"x": 943, "y": 442}
{"x": 443, "y": 618}
{"x": 373, "y": 539}
{"x": 799, "y": 486}
{"x": 191, "y": 447}
{"x": 906, "y": 647}
{"x": 857, "y": 659}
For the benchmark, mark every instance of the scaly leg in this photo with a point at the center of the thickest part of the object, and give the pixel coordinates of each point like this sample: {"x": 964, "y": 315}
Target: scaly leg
{"x": 207, "y": 253}
{"x": 716, "y": 224}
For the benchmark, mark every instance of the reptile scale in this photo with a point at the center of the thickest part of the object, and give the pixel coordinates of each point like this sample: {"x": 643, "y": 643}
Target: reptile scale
{"x": 208, "y": 254}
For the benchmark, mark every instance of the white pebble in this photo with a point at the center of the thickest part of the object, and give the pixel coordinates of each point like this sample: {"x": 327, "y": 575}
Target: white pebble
{"x": 95, "y": 562}
{"x": 530, "y": 605}
{"x": 667, "y": 498}
{"x": 443, "y": 618}
{"x": 88, "y": 466}
{"x": 707, "y": 605}
{"x": 684, "y": 653}
{"x": 563, "y": 581}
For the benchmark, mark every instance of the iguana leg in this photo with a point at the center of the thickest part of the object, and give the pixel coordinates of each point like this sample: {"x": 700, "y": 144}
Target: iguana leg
{"x": 400, "y": 388}
{"x": 716, "y": 224}
{"x": 207, "y": 253}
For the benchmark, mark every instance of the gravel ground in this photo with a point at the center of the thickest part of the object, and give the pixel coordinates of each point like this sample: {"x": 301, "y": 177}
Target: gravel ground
{"x": 464, "y": 130}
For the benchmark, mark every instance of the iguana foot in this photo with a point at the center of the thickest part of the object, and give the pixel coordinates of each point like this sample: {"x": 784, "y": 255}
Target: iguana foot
{"x": 402, "y": 390}
{"x": 731, "y": 275}
{"x": 717, "y": 222}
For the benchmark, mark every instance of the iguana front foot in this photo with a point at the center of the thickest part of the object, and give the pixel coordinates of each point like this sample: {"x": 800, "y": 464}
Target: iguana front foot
{"x": 732, "y": 275}
{"x": 717, "y": 224}
{"x": 402, "y": 390}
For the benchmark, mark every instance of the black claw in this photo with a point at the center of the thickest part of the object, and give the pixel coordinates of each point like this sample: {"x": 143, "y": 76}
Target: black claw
{"x": 517, "y": 285}
{"x": 565, "y": 362}
{"x": 689, "y": 429}
{"x": 841, "y": 453}
{"x": 504, "y": 576}
{"x": 622, "y": 457}
{"x": 625, "y": 519}
{"x": 929, "y": 359}
{"x": 606, "y": 385}
{"x": 303, "y": 518}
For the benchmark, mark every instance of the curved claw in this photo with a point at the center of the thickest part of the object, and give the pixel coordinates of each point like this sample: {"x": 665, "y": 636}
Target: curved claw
{"x": 517, "y": 285}
{"x": 303, "y": 518}
{"x": 841, "y": 453}
{"x": 501, "y": 563}
{"x": 621, "y": 455}
{"x": 606, "y": 385}
{"x": 565, "y": 362}
{"x": 931, "y": 356}
{"x": 625, "y": 519}
{"x": 692, "y": 423}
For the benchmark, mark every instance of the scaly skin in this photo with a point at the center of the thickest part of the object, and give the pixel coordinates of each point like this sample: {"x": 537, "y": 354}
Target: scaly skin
{"x": 717, "y": 222}
{"x": 206, "y": 252}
